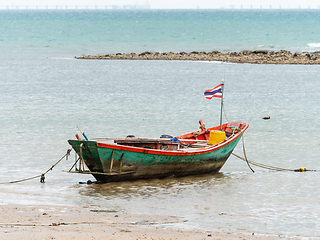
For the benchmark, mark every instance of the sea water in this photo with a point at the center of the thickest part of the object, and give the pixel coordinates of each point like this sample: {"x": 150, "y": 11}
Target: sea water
{"x": 46, "y": 93}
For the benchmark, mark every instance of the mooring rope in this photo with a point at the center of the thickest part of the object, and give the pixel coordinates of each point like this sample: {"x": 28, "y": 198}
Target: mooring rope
{"x": 267, "y": 166}
{"x": 42, "y": 176}
{"x": 245, "y": 155}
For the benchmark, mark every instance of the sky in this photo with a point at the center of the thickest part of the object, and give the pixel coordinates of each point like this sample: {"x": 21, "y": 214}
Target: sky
{"x": 169, "y": 4}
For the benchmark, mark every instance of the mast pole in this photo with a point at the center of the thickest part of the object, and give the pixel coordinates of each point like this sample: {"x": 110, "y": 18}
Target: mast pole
{"x": 222, "y": 88}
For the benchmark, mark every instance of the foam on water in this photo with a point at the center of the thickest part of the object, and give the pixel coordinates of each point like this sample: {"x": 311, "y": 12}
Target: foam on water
{"x": 314, "y": 45}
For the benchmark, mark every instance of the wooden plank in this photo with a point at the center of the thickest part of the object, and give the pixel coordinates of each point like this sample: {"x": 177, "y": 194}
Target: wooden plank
{"x": 111, "y": 164}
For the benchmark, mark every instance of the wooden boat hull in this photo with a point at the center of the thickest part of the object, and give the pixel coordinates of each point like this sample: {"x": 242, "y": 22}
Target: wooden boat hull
{"x": 116, "y": 162}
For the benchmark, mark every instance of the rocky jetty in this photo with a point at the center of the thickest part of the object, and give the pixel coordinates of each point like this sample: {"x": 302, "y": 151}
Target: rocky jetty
{"x": 245, "y": 56}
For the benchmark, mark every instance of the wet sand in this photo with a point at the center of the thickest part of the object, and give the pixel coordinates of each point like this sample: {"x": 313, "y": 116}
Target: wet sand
{"x": 92, "y": 222}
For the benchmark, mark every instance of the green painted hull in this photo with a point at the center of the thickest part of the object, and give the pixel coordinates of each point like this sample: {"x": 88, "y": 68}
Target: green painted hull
{"x": 112, "y": 162}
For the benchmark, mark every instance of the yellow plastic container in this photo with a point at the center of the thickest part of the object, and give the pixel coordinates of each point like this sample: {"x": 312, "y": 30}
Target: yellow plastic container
{"x": 216, "y": 137}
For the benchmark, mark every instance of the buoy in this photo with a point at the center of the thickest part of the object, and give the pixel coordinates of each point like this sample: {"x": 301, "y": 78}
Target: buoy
{"x": 302, "y": 169}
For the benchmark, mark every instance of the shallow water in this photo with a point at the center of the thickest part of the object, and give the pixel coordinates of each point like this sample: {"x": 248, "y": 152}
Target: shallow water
{"x": 45, "y": 93}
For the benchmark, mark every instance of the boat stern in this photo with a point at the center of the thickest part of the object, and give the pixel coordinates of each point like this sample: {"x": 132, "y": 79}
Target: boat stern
{"x": 88, "y": 152}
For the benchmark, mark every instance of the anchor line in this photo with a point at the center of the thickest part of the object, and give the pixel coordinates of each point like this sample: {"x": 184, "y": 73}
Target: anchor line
{"x": 245, "y": 155}
{"x": 42, "y": 176}
{"x": 269, "y": 167}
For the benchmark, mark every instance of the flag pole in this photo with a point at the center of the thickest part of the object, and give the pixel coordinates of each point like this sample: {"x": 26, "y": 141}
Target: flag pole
{"x": 222, "y": 88}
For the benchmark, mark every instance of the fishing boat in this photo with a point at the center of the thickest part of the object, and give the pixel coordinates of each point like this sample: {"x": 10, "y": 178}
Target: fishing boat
{"x": 132, "y": 158}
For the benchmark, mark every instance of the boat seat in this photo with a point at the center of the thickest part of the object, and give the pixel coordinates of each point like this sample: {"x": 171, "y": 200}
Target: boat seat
{"x": 198, "y": 145}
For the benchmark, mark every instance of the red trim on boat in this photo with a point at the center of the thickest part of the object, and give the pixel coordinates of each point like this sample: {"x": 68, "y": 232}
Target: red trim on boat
{"x": 194, "y": 151}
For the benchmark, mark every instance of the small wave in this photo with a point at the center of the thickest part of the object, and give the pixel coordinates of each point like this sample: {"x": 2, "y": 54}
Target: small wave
{"x": 314, "y": 45}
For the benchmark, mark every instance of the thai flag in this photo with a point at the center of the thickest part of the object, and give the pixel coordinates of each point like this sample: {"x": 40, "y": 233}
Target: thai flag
{"x": 215, "y": 92}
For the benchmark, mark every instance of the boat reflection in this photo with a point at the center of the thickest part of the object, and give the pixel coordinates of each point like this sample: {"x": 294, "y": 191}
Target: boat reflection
{"x": 146, "y": 188}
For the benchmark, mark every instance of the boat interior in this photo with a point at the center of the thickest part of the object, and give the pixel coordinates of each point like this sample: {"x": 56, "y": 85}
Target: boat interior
{"x": 202, "y": 138}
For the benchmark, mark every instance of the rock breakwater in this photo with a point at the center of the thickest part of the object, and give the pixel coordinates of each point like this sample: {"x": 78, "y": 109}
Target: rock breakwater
{"x": 245, "y": 56}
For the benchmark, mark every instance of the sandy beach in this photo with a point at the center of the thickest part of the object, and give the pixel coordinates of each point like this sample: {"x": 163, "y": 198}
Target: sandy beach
{"x": 91, "y": 222}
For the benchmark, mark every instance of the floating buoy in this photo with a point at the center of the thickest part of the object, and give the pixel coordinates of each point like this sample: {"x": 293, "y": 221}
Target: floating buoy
{"x": 302, "y": 169}
{"x": 266, "y": 117}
